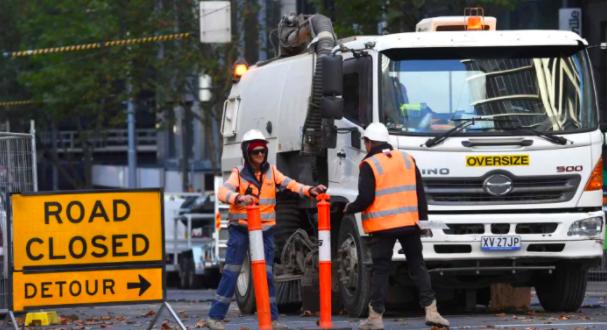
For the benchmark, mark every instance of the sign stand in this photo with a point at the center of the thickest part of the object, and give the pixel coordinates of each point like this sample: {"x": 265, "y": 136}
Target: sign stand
{"x": 171, "y": 311}
{"x": 11, "y": 315}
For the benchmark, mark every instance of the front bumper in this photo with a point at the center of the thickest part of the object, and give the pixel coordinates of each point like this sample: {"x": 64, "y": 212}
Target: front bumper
{"x": 538, "y": 240}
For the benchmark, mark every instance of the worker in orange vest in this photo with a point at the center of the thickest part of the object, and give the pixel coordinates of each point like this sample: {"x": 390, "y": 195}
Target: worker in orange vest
{"x": 392, "y": 201}
{"x": 254, "y": 183}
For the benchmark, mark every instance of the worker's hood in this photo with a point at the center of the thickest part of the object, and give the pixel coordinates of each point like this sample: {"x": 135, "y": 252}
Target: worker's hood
{"x": 247, "y": 172}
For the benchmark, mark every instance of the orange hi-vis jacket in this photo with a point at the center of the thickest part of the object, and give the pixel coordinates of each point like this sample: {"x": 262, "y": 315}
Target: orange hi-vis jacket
{"x": 395, "y": 203}
{"x": 270, "y": 180}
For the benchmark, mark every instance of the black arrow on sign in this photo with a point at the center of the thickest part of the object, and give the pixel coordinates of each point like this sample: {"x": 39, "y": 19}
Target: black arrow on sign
{"x": 142, "y": 285}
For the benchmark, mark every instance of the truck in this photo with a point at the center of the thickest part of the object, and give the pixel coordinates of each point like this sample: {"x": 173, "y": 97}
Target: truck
{"x": 191, "y": 257}
{"x": 503, "y": 126}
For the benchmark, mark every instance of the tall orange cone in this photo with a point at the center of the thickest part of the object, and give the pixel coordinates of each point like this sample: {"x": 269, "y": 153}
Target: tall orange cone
{"x": 258, "y": 268}
{"x": 324, "y": 264}
{"x": 324, "y": 259}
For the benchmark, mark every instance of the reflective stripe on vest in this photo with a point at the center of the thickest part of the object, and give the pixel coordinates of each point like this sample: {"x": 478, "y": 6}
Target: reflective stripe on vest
{"x": 230, "y": 186}
{"x": 395, "y": 203}
{"x": 267, "y": 200}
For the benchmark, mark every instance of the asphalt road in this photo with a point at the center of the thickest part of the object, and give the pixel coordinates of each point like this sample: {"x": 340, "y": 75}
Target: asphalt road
{"x": 193, "y": 305}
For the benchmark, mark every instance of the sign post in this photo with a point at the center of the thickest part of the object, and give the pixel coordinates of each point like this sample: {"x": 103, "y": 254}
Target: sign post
{"x": 88, "y": 248}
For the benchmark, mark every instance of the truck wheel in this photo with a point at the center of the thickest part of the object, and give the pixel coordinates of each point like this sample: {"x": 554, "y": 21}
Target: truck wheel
{"x": 211, "y": 279}
{"x": 564, "y": 290}
{"x": 353, "y": 277}
{"x": 288, "y": 220}
{"x": 185, "y": 273}
{"x": 245, "y": 293}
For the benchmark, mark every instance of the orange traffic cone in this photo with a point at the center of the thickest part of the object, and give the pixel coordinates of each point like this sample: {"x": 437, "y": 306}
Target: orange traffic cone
{"x": 258, "y": 268}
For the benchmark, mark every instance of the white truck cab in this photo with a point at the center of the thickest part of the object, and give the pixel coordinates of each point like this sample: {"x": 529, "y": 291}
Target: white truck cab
{"x": 503, "y": 126}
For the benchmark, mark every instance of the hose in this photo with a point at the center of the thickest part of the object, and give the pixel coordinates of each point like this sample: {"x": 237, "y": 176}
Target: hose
{"x": 322, "y": 29}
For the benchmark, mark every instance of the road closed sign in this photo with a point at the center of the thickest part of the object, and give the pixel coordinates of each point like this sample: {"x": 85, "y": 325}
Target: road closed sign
{"x": 87, "y": 248}
{"x": 37, "y": 290}
{"x": 86, "y": 228}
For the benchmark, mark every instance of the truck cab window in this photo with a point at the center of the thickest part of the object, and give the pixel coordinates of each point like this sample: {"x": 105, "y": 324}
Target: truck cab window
{"x": 357, "y": 90}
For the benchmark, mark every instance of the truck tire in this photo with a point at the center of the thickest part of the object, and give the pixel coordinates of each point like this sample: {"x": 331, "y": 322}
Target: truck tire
{"x": 245, "y": 293}
{"x": 352, "y": 276}
{"x": 288, "y": 220}
{"x": 186, "y": 271}
{"x": 564, "y": 290}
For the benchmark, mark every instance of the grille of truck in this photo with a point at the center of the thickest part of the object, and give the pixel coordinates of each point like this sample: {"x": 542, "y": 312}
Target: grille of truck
{"x": 525, "y": 189}
{"x": 501, "y": 228}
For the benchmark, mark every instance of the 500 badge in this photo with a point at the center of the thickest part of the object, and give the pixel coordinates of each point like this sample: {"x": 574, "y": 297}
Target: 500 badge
{"x": 497, "y": 160}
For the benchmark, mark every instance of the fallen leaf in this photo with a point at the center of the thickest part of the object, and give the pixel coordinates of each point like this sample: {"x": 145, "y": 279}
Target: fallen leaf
{"x": 165, "y": 325}
{"x": 149, "y": 313}
{"x": 200, "y": 324}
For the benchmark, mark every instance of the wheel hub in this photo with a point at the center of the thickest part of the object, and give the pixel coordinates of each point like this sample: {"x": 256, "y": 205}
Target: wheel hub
{"x": 348, "y": 265}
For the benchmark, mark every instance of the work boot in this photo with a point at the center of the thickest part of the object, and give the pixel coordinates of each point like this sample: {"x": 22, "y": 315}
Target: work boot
{"x": 215, "y": 324}
{"x": 279, "y": 326}
{"x": 373, "y": 322}
{"x": 433, "y": 317}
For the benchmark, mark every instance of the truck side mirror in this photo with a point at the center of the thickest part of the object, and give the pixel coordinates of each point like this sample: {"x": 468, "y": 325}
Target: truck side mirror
{"x": 329, "y": 136}
{"x": 355, "y": 138}
{"x": 332, "y": 75}
{"x": 331, "y": 103}
{"x": 332, "y": 107}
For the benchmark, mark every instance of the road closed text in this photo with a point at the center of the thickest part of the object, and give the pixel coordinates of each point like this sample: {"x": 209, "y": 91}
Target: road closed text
{"x": 88, "y": 228}
{"x": 78, "y": 247}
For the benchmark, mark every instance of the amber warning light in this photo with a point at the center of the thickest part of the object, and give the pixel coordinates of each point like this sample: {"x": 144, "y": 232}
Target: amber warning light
{"x": 474, "y": 23}
{"x": 240, "y": 68}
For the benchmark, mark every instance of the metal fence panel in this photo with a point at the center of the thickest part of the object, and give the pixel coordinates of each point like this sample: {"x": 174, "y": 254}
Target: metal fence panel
{"x": 17, "y": 174}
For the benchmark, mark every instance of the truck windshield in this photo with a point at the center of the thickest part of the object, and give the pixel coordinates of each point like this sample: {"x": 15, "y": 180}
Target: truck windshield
{"x": 429, "y": 91}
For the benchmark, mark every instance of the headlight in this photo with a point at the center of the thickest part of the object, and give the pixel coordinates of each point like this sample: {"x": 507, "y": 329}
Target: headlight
{"x": 586, "y": 227}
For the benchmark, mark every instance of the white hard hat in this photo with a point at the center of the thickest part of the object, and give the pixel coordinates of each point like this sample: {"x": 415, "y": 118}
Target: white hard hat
{"x": 253, "y": 135}
{"x": 377, "y": 132}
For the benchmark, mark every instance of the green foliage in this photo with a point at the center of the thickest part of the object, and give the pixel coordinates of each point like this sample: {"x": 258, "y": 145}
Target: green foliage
{"x": 89, "y": 87}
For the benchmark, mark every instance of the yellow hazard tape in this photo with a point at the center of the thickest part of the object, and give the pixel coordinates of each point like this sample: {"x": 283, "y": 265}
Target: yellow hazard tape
{"x": 8, "y": 104}
{"x": 103, "y": 44}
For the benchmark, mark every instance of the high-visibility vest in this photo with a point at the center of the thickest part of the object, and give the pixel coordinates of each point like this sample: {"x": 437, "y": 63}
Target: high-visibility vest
{"x": 266, "y": 200}
{"x": 395, "y": 203}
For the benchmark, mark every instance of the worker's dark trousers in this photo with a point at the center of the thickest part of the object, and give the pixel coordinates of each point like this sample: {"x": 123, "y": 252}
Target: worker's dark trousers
{"x": 238, "y": 245}
{"x": 382, "y": 246}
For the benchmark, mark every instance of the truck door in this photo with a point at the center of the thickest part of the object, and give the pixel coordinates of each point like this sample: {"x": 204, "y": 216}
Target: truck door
{"x": 358, "y": 113}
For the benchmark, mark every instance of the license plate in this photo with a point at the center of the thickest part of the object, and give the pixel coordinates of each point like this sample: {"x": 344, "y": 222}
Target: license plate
{"x": 501, "y": 243}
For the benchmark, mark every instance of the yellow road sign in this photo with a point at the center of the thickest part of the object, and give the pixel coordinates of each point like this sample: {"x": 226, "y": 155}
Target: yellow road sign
{"x": 99, "y": 228}
{"x": 37, "y": 290}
